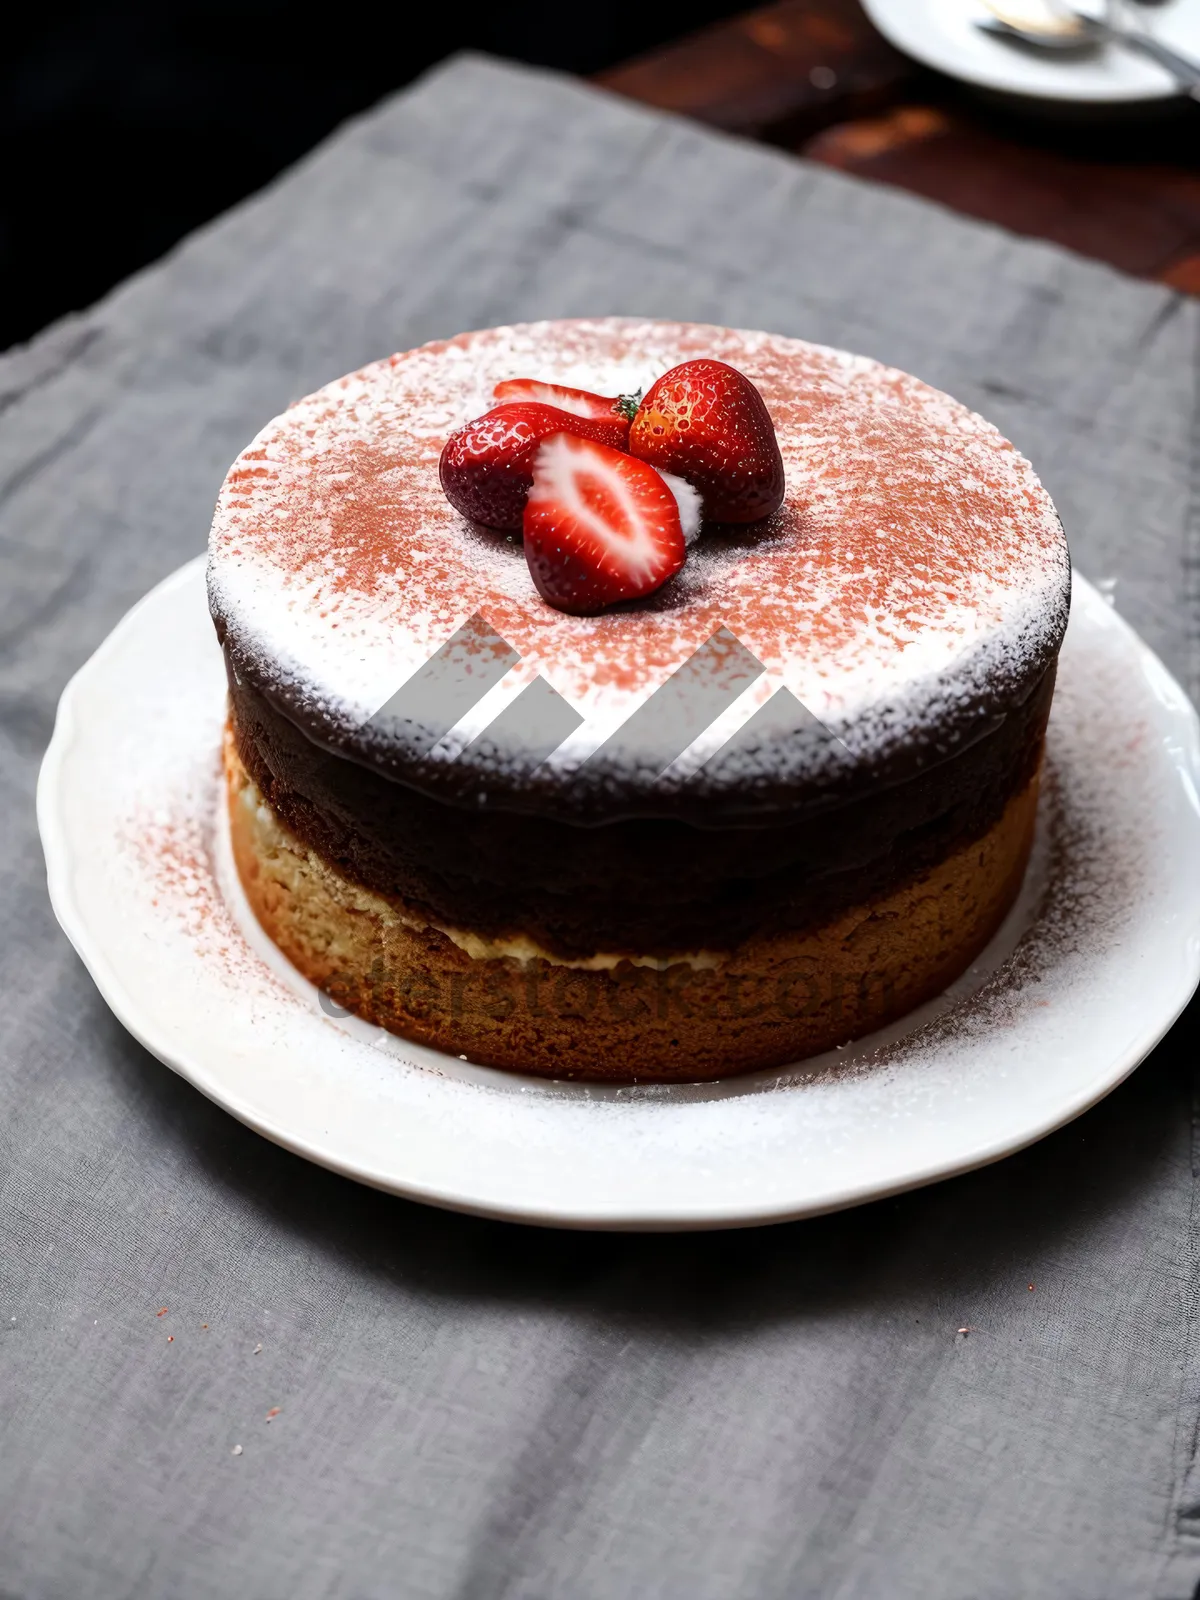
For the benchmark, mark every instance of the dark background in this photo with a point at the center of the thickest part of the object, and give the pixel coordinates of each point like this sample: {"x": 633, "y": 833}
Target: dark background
{"x": 122, "y": 127}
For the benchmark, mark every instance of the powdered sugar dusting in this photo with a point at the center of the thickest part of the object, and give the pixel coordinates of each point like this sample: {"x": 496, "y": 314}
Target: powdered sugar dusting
{"x": 171, "y": 845}
{"x": 915, "y": 563}
{"x": 1088, "y": 893}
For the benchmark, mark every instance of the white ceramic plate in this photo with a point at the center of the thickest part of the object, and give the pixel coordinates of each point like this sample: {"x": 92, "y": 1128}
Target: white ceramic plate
{"x": 943, "y": 35}
{"x": 1094, "y": 964}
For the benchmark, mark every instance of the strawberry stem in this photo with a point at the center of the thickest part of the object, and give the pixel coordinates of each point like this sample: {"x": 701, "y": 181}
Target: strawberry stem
{"x": 627, "y": 404}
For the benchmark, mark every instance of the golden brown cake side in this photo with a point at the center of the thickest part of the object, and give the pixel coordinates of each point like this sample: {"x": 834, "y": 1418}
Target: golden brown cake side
{"x": 768, "y": 1002}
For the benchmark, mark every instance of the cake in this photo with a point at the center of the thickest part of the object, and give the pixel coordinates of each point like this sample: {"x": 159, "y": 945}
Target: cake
{"x": 765, "y": 809}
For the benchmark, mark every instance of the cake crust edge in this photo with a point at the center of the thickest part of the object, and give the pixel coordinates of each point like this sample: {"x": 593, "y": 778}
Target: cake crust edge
{"x": 769, "y": 1002}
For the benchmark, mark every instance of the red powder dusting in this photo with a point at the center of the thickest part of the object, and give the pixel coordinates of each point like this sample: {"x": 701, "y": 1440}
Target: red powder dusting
{"x": 902, "y": 506}
{"x": 173, "y": 846}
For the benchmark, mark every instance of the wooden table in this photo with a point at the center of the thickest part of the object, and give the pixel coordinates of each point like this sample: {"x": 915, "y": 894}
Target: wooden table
{"x": 815, "y": 77}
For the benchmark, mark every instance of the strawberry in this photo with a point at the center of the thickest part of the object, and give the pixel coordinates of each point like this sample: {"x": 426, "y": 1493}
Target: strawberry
{"x": 602, "y": 526}
{"x": 579, "y": 402}
{"x": 487, "y": 467}
{"x": 707, "y": 422}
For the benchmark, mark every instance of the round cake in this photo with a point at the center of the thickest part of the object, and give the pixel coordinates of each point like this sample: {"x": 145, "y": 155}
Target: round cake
{"x": 765, "y": 809}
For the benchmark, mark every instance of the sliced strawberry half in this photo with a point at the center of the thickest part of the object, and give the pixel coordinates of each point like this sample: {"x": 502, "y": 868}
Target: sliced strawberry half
{"x": 486, "y": 468}
{"x": 601, "y": 526}
{"x": 577, "y": 402}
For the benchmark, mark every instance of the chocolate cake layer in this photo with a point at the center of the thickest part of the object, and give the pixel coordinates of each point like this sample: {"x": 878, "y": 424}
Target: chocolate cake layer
{"x": 651, "y": 885}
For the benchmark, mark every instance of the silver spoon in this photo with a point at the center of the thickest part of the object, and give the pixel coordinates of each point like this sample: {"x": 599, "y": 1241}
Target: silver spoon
{"x": 1069, "y": 30}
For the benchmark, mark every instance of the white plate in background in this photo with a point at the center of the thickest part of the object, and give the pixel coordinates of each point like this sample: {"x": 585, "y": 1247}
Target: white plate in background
{"x": 942, "y": 34}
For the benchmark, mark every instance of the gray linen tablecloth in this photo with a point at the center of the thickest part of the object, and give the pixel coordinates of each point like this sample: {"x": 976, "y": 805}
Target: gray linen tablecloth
{"x": 476, "y": 1410}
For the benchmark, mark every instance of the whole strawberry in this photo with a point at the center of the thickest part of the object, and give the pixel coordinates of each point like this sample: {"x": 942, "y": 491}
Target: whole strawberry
{"x": 707, "y": 423}
{"x": 487, "y": 467}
